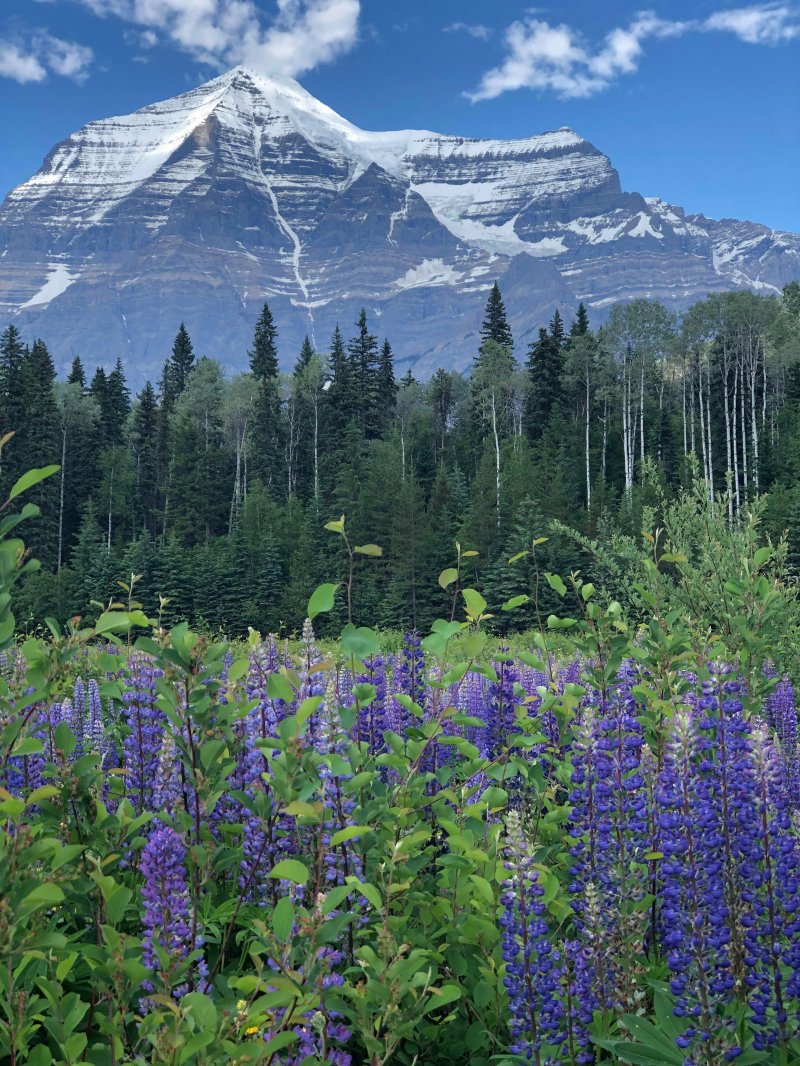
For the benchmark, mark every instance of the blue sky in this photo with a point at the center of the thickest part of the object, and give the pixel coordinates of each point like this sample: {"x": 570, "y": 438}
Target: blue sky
{"x": 698, "y": 103}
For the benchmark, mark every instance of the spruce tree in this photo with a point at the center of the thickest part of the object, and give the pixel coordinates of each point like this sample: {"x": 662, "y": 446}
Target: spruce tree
{"x": 181, "y": 361}
{"x": 12, "y": 404}
{"x": 544, "y": 383}
{"x": 387, "y": 386}
{"x": 557, "y": 329}
{"x": 366, "y": 375}
{"x": 495, "y": 322}
{"x": 38, "y": 443}
{"x": 580, "y": 323}
{"x": 268, "y": 432}
{"x": 77, "y": 375}
{"x": 144, "y": 443}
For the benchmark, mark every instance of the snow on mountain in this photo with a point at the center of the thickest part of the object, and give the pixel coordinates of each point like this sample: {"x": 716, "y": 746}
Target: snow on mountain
{"x": 247, "y": 189}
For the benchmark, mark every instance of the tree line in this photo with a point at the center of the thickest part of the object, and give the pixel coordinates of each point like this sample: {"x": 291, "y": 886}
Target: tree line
{"x": 215, "y": 491}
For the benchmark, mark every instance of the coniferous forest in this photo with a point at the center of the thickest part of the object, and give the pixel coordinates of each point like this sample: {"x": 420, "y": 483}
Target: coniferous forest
{"x": 215, "y": 491}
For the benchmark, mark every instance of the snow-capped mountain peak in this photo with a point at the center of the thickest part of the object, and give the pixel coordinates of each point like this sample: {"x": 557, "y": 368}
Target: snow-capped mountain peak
{"x": 248, "y": 188}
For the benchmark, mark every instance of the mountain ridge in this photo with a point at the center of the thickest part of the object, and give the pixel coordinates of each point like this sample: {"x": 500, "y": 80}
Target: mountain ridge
{"x": 247, "y": 188}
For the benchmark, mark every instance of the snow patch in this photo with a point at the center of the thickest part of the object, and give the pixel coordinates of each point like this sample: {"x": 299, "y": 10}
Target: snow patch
{"x": 428, "y": 272}
{"x": 58, "y": 281}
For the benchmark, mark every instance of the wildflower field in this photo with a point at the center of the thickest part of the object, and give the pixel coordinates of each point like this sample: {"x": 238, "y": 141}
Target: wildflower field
{"x": 451, "y": 853}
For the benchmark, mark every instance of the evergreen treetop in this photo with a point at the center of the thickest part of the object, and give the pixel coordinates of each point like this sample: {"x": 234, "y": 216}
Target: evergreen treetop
{"x": 495, "y": 322}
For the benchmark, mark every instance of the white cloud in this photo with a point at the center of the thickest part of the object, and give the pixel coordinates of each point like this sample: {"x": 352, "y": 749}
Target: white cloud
{"x": 67, "y": 58}
{"x": 32, "y": 60}
{"x": 556, "y": 58}
{"x": 478, "y": 31}
{"x": 303, "y": 33}
{"x": 759, "y": 24}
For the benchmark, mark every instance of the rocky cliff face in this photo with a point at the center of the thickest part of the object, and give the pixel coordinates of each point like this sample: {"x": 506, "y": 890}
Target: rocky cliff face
{"x": 248, "y": 189}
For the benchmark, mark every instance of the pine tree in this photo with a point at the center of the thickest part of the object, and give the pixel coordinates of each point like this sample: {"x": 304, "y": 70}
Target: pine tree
{"x": 387, "y": 386}
{"x": 267, "y": 429}
{"x": 144, "y": 443}
{"x": 557, "y": 329}
{"x": 77, "y": 375}
{"x": 495, "y": 322}
{"x": 117, "y": 405}
{"x": 38, "y": 443}
{"x": 580, "y": 323}
{"x": 544, "y": 383}
{"x": 366, "y": 375}
{"x": 12, "y": 404}
{"x": 181, "y": 361}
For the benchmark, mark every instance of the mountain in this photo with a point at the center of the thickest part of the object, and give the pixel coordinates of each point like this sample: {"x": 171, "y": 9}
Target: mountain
{"x": 246, "y": 189}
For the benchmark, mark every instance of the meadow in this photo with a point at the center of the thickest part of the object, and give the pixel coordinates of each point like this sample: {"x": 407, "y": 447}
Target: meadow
{"x": 582, "y": 849}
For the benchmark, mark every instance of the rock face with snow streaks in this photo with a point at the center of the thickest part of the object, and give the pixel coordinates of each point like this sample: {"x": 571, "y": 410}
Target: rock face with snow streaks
{"x": 248, "y": 189}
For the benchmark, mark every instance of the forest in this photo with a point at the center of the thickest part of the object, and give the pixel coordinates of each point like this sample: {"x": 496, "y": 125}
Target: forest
{"x": 215, "y": 491}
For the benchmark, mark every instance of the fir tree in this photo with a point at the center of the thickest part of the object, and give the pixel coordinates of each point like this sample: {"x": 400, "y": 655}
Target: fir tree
{"x": 267, "y": 433}
{"x": 77, "y": 375}
{"x": 580, "y": 323}
{"x": 12, "y": 403}
{"x": 495, "y": 322}
{"x": 144, "y": 442}
{"x": 544, "y": 383}
{"x": 181, "y": 361}
{"x": 366, "y": 372}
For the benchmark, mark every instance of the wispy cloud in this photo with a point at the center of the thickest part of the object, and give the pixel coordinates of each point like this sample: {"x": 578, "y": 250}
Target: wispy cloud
{"x": 303, "y": 34}
{"x": 558, "y": 59}
{"x": 476, "y": 30}
{"x": 30, "y": 58}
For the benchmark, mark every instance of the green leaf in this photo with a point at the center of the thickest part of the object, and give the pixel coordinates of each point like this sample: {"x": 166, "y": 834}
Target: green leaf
{"x": 556, "y": 584}
{"x": 359, "y": 642}
{"x": 201, "y": 1009}
{"x": 475, "y": 603}
{"x": 278, "y": 688}
{"x": 44, "y": 895}
{"x": 120, "y": 621}
{"x": 369, "y": 549}
{"x": 336, "y": 525}
{"x": 515, "y": 601}
{"x": 760, "y": 557}
{"x": 321, "y": 600}
{"x": 350, "y": 832}
{"x": 448, "y": 576}
{"x": 290, "y": 870}
{"x": 283, "y": 919}
{"x": 31, "y": 478}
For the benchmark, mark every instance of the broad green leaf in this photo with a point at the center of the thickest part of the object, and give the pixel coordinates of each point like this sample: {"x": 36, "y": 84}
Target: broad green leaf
{"x": 283, "y": 919}
{"x": 448, "y": 576}
{"x": 278, "y": 688}
{"x": 369, "y": 549}
{"x": 515, "y": 601}
{"x": 290, "y": 870}
{"x": 321, "y": 600}
{"x": 31, "y": 478}
{"x": 359, "y": 642}
{"x": 556, "y": 584}
{"x": 475, "y": 603}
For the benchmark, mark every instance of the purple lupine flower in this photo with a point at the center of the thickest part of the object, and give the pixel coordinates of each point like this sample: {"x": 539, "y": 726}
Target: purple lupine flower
{"x": 771, "y": 876}
{"x": 312, "y": 681}
{"x": 168, "y": 936}
{"x": 694, "y": 910}
{"x": 534, "y": 967}
{"x": 500, "y": 711}
{"x": 781, "y": 713}
{"x": 610, "y": 828}
{"x": 145, "y": 723}
{"x": 77, "y": 716}
{"x": 95, "y": 733}
{"x": 370, "y": 723}
{"x": 167, "y": 791}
